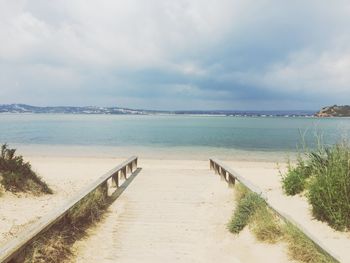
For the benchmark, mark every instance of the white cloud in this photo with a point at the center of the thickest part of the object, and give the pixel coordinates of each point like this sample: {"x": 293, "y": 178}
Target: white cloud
{"x": 293, "y": 47}
{"x": 112, "y": 33}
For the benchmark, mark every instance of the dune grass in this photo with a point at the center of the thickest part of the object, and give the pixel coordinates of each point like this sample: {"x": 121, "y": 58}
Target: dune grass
{"x": 295, "y": 180}
{"x": 266, "y": 226}
{"x": 302, "y": 249}
{"x": 253, "y": 211}
{"x": 247, "y": 205}
{"x": 324, "y": 174}
{"x": 16, "y": 175}
{"x": 56, "y": 245}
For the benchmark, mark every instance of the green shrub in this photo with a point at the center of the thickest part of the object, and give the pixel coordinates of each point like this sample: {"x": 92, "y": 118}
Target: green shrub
{"x": 329, "y": 190}
{"x": 294, "y": 181}
{"x": 244, "y": 211}
{"x": 325, "y": 174}
{"x": 17, "y": 175}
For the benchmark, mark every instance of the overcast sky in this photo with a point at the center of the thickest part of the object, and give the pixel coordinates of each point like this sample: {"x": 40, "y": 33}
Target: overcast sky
{"x": 176, "y": 54}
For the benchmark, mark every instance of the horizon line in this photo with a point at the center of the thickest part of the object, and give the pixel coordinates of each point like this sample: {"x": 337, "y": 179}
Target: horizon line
{"x": 162, "y": 110}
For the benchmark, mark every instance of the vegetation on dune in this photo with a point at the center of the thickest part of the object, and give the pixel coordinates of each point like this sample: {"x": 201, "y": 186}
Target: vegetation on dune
{"x": 294, "y": 182}
{"x": 16, "y": 175}
{"x": 325, "y": 176}
{"x": 248, "y": 203}
{"x": 301, "y": 248}
{"x": 56, "y": 245}
{"x": 252, "y": 210}
{"x": 267, "y": 227}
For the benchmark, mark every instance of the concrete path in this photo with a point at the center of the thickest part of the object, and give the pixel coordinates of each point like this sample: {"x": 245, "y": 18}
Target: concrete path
{"x": 172, "y": 212}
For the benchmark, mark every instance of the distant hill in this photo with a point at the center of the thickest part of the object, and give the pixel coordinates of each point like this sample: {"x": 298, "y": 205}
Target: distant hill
{"x": 23, "y": 108}
{"x": 334, "y": 111}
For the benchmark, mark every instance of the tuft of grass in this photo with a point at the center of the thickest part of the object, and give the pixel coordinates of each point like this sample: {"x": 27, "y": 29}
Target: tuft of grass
{"x": 240, "y": 191}
{"x": 294, "y": 181}
{"x": 252, "y": 210}
{"x": 301, "y": 248}
{"x": 90, "y": 208}
{"x": 266, "y": 225}
{"x": 16, "y": 175}
{"x": 248, "y": 203}
{"x": 56, "y": 244}
{"x": 50, "y": 248}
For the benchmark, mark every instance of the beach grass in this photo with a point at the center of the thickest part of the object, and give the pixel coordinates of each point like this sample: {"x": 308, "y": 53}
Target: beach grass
{"x": 16, "y": 175}
{"x": 268, "y": 227}
{"x": 295, "y": 180}
{"x": 248, "y": 203}
{"x": 324, "y": 174}
{"x": 301, "y": 248}
{"x": 56, "y": 245}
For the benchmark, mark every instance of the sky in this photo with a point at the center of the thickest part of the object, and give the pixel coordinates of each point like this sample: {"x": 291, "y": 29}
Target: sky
{"x": 183, "y": 54}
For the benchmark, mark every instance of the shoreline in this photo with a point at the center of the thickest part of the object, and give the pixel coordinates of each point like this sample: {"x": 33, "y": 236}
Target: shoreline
{"x": 199, "y": 153}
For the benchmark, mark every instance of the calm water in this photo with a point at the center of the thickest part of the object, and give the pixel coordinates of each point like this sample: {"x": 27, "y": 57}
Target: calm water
{"x": 235, "y": 133}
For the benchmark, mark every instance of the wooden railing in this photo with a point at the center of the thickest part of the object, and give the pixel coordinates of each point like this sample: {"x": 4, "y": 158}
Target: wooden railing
{"x": 110, "y": 180}
{"x": 230, "y": 176}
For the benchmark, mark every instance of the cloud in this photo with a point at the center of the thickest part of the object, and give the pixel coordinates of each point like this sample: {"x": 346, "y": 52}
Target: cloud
{"x": 112, "y": 33}
{"x": 175, "y": 54}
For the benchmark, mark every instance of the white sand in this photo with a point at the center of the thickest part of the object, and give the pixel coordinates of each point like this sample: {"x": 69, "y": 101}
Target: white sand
{"x": 199, "y": 204}
{"x": 173, "y": 211}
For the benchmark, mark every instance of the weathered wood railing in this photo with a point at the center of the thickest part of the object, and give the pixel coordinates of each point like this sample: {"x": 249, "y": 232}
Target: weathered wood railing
{"x": 230, "y": 176}
{"x": 109, "y": 180}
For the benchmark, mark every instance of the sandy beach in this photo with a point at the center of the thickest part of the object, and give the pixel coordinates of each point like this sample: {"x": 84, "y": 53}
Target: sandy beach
{"x": 192, "y": 89}
{"x": 67, "y": 175}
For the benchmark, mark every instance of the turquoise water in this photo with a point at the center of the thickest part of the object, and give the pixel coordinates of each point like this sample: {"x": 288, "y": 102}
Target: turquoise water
{"x": 238, "y": 133}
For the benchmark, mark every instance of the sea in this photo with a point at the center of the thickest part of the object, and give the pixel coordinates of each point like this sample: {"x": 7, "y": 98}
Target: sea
{"x": 170, "y": 136}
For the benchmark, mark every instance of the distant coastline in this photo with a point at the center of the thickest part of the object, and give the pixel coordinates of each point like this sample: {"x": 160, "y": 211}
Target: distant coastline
{"x": 334, "y": 111}
{"x": 24, "y": 108}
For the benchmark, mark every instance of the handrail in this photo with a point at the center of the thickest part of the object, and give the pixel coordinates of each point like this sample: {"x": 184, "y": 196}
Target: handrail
{"x": 230, "y": 176}
{"x": 17, "y": 245}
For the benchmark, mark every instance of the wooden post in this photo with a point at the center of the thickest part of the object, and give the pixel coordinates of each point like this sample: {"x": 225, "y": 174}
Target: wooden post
{"x": 135, "y": 164}
{"x": 231, "y": 180}
{"x": 115, "y": 180}
{"x": 104, "y": 188}
{"x": 211, "y": 164}
{"x": 222, "y": 174}
{"x": 216, "y": 168}
{"x": 124, "y": 172}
